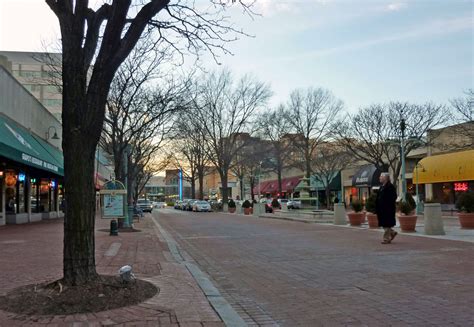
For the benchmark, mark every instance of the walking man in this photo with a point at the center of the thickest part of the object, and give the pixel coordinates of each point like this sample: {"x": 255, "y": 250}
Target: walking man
{"x": 385, "y": 207}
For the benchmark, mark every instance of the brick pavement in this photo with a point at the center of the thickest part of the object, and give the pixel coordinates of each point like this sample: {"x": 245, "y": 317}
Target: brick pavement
{"x": 292, "y": 274}
{"x": 33, "y": 254}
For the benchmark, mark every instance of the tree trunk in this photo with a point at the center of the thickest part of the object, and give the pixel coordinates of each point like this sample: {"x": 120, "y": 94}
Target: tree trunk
{"x": 252, "y": 185}
{"x": 280, "y": 188}
{"x": 201, "y": 185}
{"x": 328, "y": 195}
{"x": 79, "y": 243}
{"x": 224, "y": 178}
{"x": 193, "y": 187}
{"x": 242, "y": 190}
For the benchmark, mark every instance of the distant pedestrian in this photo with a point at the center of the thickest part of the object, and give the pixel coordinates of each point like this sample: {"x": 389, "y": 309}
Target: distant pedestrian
{"x": 336, "y": 200}
{"x": 386, "y": 208}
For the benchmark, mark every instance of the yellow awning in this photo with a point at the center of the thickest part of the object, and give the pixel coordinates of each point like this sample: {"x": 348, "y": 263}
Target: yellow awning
{"x": 451, "y": 167}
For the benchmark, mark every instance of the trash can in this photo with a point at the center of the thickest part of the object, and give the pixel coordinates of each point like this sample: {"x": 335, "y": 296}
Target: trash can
{"x": 113, "y": 227}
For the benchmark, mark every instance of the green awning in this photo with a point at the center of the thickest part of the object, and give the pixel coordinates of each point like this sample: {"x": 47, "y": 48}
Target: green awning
{"x": 335, "y": 184}
{"x": 18, "y": 144}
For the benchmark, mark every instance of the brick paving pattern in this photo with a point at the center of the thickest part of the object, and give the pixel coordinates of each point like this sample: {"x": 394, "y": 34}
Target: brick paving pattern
{"x": 33, "y": 254}
{"x": 293, "y": 274}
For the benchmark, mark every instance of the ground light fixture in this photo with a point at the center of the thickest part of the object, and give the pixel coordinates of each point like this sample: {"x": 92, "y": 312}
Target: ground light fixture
{"x": 126, "y": 273}
{"x": 55, "y": 135}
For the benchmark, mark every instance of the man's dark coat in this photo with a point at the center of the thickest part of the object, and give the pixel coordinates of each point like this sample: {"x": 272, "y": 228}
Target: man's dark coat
{"x": 385, "y": 205}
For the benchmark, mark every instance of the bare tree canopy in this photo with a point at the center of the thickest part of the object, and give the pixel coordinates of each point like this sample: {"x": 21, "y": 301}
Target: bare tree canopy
{"x": 373, "y": 134}
{"x": 276, "y": 129}
{"x": 103, "y": 38}
{"x": 312, "y": 114}
{"x": 464, "y": 115}
{"x": 225, "y": 109}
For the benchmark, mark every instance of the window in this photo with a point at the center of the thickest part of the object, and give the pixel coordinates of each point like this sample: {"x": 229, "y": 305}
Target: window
{"x": 51, "y": 89}
{"x": 52, "y": 102}
{"x": 29, "y": 73}
{"x": 32, "y": 87}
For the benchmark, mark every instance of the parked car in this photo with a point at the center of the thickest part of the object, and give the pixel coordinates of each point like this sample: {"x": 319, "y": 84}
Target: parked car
{"x": 199, "y": 206}
{"x": 177, "y": 204}
{"x": 189, "y": 204}
{"x": 183, "y": 204}
{"x": 294, "y": 204}
{"x": 283, "y": 201}
{"x": 145, "y": 205}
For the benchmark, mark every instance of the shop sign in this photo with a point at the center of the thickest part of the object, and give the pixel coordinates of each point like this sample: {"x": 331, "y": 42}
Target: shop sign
{"x": 461, "y": 187}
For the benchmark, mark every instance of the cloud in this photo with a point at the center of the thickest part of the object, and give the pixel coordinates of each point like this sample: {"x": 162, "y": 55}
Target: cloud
{"x": 430, "y": 29}
{"x": 395, "y": 6}
{"x": 271, "y": 7}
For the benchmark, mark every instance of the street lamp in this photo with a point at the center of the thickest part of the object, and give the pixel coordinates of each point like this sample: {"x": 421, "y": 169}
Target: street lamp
{"x": 55, "y": 135}
{"x": 418, "y": 208}
{"x": 259, "y": 173}
{"x": 402, "y": 154}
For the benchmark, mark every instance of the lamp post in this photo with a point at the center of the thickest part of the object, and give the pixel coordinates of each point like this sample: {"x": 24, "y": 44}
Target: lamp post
{"x": 402, "y": 150}
{"x": 418, "y": 207}
{"x": 259, "y": 173}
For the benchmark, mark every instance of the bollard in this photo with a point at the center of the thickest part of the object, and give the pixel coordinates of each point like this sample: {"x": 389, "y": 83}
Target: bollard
{"x": 339, "y": 214}
{"x": 433, "y": 219}
{"x": 113, "y": 228}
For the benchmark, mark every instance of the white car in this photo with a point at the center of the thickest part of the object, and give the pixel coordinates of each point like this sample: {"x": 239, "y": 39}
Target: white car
{"x": 159, "y": 205}
{"x": 293, "y": 204}
{"x": 199, "y": 206}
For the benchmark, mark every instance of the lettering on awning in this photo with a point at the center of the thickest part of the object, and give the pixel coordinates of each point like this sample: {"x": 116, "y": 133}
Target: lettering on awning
{"x": 39, "y": 162}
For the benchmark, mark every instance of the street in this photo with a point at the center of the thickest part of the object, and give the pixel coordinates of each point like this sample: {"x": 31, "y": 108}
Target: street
{"x": 286, "y": 273}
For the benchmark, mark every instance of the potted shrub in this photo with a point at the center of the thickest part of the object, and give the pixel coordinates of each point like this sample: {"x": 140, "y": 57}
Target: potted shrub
{"x": 465, "y": 205}
{"x": 407, "y": 217}
{"x": 357, "y": 216}
{"x": 231, "y": 205}
{"x": 247, "y": 207}
{"x": 370, "y": 208}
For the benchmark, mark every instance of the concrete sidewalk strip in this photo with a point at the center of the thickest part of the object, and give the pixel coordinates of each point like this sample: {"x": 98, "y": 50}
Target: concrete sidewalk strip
{"x": 230, "y": 317}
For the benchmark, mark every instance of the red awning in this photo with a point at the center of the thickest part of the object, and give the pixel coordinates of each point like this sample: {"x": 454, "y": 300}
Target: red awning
{"x": 288, "y": 184}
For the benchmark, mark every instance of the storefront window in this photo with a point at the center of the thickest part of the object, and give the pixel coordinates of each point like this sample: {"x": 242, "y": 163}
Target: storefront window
{"x": 34, "y": 203}
{"x": 443, "y": 192}
{"x": 45, "y": 196}
{"x": 21, "y": 194}
{"x": 10, "y": 191}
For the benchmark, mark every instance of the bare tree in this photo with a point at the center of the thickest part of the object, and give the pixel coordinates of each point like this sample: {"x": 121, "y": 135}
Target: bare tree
{"x": 330, "y": 159}
{"x": 225, "y": 109}
{"x": 190, "y": 151}
{"x": 374, "y": 133}
{"x": 277, "y": 130}
{"x": 464, "y": 115}
{"x": 103, "y": 38}
{"x": 311, "y": 113}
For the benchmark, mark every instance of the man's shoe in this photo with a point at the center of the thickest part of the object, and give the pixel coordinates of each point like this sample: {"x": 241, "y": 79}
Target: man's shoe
{"x": 392, "y": 236}
{"x": 385, "y": 242}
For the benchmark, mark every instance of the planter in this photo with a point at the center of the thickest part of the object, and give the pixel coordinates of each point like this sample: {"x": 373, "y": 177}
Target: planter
{"x": 356, "y": 218}
{"x": 251, "y": 211}
{"x": 466, "y": 220}
{"x": 373, "y": 220}
{"x": 247, "y": 211}
{"x": 232, "y": 210}
{"x": 407, "y": 222}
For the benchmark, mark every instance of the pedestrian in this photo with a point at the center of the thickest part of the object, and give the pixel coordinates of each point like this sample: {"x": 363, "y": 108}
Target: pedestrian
{"x": 386, "y": 207}
{"x": 336, "y": 200}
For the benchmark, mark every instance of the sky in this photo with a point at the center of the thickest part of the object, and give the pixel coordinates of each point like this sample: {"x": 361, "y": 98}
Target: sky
{"x": 364, "y": 51}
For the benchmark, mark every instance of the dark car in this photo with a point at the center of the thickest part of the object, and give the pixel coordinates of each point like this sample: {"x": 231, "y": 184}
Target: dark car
{"x": 145, "y": 205}
{"x": 269, "y": 208}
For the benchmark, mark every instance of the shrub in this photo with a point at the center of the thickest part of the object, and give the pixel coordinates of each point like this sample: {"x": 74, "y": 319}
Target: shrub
{"x": 170, "y": 204}
{"x": 275, "y": 203}
{"x": 371, "y": 203}
{"x": 430, "y": 200}
{"x": 246, "y": 204}
{"x": 465, "y": 202}
{"x": 357, "y": 206}
{"x": 411, "y": 201}
{"x": 231, "y": 203}
{"x": 405, "y": 207}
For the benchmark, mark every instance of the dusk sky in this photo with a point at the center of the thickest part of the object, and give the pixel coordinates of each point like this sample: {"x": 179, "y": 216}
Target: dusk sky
{"x": 364, "y": 51}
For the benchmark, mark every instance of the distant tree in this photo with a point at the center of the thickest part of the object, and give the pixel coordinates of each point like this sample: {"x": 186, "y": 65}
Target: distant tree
{"x": 95, "y": 42}
{"x": 277, "y": 130}
{"x": 225, "y": 110}
{"x": 330, "y": 159}
{"x": 374, "y": 134}
{"x": 190, "y": 151}
{"x": 312, "y": 114}
{"x": 464, "y": 115}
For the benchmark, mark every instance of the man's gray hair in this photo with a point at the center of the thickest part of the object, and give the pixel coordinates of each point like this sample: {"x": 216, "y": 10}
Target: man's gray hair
{"x": 386, "y": 175}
